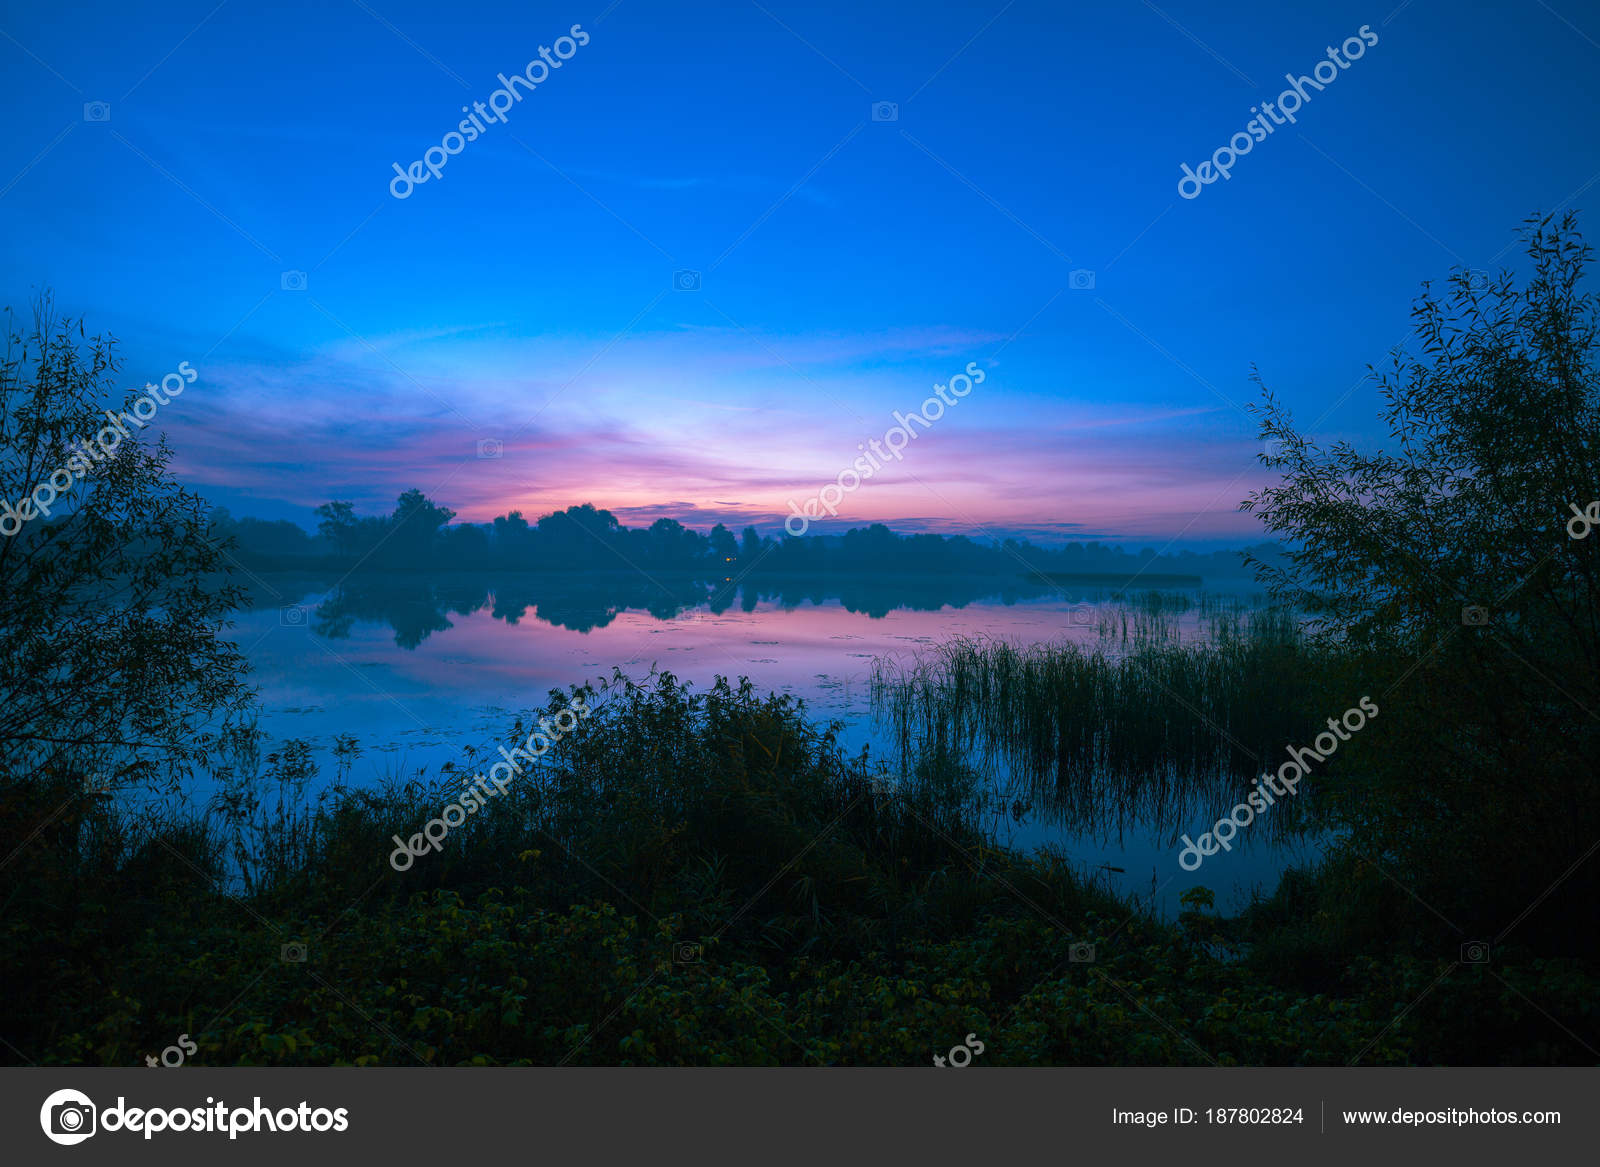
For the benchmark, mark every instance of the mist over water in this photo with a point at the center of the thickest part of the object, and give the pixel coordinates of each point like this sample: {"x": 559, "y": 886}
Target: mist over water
{"x": 418, "y": 667}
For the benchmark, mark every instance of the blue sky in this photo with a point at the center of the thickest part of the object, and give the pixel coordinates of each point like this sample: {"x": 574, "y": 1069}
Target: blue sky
{"x": 846, "y": 265}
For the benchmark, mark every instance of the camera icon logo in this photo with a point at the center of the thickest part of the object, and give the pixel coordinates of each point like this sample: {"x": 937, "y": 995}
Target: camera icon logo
{"x": 292, "y": 281}
{"x": 885, "y": 111}
{"x": 68, "y": 1117}
{"x": 1081, "y": 953}
{"x": 1475, "y": 952}
{"x": 292, "y": 616}
{"x": 1474, "y": 615}
{"x": 97, "y": 111}
{"x": 1477, "y": 280}
{"x": 685, "y": 281}
{"x": 1081, "y": 615}
{"x": 491, "y": 448}
{"x": 1080, "y": 279}
{"x": 293, "y": 953}
{"x": 686, "y": 952}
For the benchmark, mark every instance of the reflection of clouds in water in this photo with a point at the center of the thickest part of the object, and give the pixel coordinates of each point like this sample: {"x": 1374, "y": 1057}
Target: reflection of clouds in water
{"x": 464, "y": 684}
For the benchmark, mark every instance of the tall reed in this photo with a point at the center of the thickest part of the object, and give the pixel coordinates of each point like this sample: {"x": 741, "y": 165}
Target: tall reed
{"x": 1145, "y": 726}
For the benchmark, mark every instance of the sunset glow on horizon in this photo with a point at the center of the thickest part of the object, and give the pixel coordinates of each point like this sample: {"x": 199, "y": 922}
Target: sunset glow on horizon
{"x": 679, "y": 290}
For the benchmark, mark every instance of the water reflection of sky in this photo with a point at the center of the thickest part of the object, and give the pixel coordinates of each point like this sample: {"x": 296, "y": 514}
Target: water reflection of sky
{"x": 464, "y": 683}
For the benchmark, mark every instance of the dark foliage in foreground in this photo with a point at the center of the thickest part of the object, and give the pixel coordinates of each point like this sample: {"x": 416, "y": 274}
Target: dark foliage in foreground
{"x": 112, "y": 596}
{"x": 1447, "y": 573}
{"x": 693, "y": 878}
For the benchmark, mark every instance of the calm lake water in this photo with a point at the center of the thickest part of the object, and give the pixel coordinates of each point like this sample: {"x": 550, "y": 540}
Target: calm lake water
{"x": 415, "y": 668}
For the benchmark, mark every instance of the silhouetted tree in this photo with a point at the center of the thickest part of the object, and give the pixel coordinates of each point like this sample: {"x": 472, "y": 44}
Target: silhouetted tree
{"x": 513, "y": 540}
{"x": 724, "y": 548}
{"x": 337, "y": 524}
{"x": 417, "y": 520}
{"x": 581, "y": 536}
{"x": 112, "y": 603}
{"x": 674, "y": 545}
{"x": 1445, "y": 569}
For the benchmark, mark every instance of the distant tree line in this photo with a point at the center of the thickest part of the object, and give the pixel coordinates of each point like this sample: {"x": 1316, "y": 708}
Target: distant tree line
{"x": 419, "y": 534}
